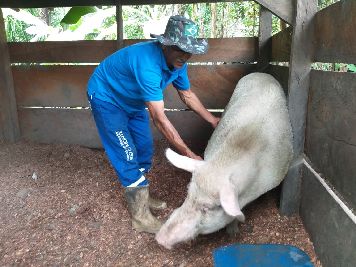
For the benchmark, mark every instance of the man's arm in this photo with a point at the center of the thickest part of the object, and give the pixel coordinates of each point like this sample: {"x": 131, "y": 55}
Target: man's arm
{"x": 156, "y": 109}
{"x": 192, "y": 101}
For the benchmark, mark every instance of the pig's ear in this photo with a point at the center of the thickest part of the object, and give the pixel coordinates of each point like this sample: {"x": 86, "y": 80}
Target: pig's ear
{"x": 183, "y": 162}
{"x": 229, "y": 201}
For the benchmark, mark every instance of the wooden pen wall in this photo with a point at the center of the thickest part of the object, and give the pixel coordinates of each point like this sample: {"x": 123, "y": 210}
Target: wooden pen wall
{"x": 330, "y": 137}
{"x": 52, "y": 102}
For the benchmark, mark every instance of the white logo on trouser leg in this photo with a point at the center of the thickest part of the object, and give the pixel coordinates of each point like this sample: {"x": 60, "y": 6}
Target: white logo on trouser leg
{"x": 125, "y": 145}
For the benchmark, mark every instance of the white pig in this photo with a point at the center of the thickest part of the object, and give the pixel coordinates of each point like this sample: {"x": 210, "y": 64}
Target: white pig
{"x": 248, "y": 154}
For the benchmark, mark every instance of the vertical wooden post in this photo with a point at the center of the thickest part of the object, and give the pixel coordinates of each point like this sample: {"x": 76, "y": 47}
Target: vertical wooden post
{"x": 264, "y": 38}
{"x": 120, "y": 25}
{"x": 9, "y": 126}
{"x": 301, "y": 57}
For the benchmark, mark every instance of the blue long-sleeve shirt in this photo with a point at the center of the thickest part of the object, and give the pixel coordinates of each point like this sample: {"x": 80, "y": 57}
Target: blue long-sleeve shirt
{"x": 134, "y": 75}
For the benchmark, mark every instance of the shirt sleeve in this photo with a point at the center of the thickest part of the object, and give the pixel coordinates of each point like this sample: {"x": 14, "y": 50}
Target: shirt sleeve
{"x": 182, "y": 81}
{"x": 148, "y": 76}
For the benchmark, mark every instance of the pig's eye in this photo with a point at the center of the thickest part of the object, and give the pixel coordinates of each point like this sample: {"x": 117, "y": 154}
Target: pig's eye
{"x": 206, "y": 208}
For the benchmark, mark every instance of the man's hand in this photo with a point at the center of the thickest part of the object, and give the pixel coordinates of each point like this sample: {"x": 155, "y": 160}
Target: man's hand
{"x": 156, "y": 109}
{"x": 191, "y": 100}
{"x": 194, "y": 156}
{"x": 215, "y": 122}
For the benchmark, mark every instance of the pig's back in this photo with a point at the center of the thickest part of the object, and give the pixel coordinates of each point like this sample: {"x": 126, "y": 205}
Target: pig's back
{"x": 257, "y": 106}
{"x": 255, "y": 126}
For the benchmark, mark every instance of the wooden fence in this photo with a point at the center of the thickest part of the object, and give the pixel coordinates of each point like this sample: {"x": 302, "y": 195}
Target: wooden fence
{"x": 322, "y": 102}
{"x": 51, "y": 98}
{"x": 330, "y": 137}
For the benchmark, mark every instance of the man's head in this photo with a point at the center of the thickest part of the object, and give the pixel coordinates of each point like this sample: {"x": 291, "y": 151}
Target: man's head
{"x": 175, "y": 57}
{"x": 180, "y": 41}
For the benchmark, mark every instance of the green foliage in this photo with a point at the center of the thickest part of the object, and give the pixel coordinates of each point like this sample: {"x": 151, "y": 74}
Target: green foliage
{"x": 221, "y": 19}
{"x": 351, "y": 67}
{"x": 276, "y": 25}
{"x": 133, "y": 32}
{"x": 72, "y": 27}
{"x": 109, "y": 21}
{"x": 339, "y": 67}
{"x": 324, "y": 3}
{"x": 93, "y": 35}
{"x": 342, "y": 67}
{"x": 15, "y": 30}
{"x": 240, "y": 19}
{"x": 248, "y": 14}
{"x": 76, "y": 13}
{"x": 56, "y": 16}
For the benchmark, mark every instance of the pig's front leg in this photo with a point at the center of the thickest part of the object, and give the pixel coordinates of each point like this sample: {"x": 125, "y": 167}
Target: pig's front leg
{"x": 233, "y": 228}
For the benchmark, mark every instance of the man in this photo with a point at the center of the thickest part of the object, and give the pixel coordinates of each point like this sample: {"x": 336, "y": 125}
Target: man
{"x": 120, "y": 89}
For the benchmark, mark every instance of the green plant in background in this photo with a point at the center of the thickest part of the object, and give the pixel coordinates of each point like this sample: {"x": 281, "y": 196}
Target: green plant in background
{"x": 76, "y": 13}
{"x": 74, "y": 20}
{"x": 89, "y": 23}
{"x": 21, "y": 25}
{"x": 45, "y": 24}
{"x": 241, "y": 19}
{"x": 16, "y": 30}
{"x": 339, "y": 67}
{"x": 351, "y": 67}
{"x": 324, "y": 3}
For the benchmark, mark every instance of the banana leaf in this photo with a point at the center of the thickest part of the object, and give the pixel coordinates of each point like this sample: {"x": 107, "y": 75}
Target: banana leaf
{"x": 75, "y": 14}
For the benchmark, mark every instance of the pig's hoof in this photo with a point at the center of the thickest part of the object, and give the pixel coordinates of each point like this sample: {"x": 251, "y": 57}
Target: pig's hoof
{"x": 232, "y": 229}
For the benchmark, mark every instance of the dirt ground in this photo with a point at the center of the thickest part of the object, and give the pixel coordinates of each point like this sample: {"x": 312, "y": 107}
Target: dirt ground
{"x": 62, "y": 206}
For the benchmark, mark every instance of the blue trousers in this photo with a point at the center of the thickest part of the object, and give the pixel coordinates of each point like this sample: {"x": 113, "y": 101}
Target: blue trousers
{"x": 127, "y": 140}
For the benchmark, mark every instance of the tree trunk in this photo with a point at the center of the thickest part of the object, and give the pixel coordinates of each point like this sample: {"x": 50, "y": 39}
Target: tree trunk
{"x": 254, "y": 20}
{"x": 201, "y": 19}
{"x": 213, "y": 20}
{"x": 46, "y": 15}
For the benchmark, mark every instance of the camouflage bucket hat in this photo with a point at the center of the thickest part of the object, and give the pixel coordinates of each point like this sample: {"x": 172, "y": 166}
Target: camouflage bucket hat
{"x": 183, "y": 33}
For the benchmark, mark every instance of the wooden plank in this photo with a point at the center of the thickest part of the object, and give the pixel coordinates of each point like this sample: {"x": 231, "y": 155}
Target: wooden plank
{"x": 332, "y": 231}
{"x": 51, "y": 86}
{"x": 9, "y": 127}
{"x": 264, "y": 39}
{"x": 189, "y": 125}
{"x": 242, "y": 49}
{"x": 70, "y": 3}
{"x": 59, "y": 51}
{"x": 59, "y": 126}
{"x": 239, "y": 49}
{"x": 334, "y": 33}
{"x": 213, "y": 85}
{"x": 281, "y": 74}
{"x": 281, "y": 45}
{"x": 77, "y": 126}
{"x": 65, "y": 86}
{"x": 331, "y": 128}
{"x": 298, "y": 89}
{"x": 281, "y": 8}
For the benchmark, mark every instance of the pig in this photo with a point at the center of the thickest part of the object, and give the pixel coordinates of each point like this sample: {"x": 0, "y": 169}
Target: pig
{"x": 248, "y": 154}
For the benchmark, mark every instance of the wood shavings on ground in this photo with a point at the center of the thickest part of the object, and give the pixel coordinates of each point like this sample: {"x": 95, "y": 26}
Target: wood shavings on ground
{"x": 73, "y": 213}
